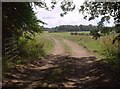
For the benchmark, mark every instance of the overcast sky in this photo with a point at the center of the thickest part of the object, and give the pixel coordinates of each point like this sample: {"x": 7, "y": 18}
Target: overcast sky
{"x": 53, "y": 18}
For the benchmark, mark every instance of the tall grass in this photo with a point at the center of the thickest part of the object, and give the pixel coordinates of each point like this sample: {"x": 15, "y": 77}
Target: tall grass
{"x": 34, "y": 49}
{"x": 30, "y": 49}
{"x": 111, "y": 51}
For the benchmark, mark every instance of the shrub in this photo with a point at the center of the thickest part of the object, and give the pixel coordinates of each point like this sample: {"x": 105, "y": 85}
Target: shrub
{"x": 30, "y": 49}
{"x": 111, "y": 51}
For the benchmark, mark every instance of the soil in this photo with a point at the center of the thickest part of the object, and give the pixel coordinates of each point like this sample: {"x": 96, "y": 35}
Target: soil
{"x": 58, "y": 47}
{"x": 80, "y": 70}
{"x": 76, "y": 50}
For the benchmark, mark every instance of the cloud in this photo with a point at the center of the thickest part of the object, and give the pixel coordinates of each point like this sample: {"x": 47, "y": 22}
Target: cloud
{"x": 53, "y": 18}
{"x": 47, "y": 17}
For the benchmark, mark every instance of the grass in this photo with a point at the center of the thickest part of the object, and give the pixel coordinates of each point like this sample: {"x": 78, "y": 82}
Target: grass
{"x": 85, "y": 41}
{"x": 103, "y": 46}
{"x": 63, "y": 34}
{"x": 48, "y": 43}
{"x": 39, "y": 46}
{"x": 67, "y": 50}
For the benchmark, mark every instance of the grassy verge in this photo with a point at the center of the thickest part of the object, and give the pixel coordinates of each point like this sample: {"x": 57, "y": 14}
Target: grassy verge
{"x": 47, "y": 41}
{"x": 31, "y": 49}
{"x": 40, "y": 46}
{"x": 85, "y": 41}
{"x": 103, "y": 46}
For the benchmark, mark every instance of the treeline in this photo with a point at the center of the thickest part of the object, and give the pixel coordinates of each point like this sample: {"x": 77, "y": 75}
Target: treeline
{"x": 66, "y": 28}
{"x": 77, "y": 28}
{"x": 72, "y": 28}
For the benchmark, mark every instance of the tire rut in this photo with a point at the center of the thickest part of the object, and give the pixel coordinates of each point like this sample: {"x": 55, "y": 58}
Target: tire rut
{"x": 62, "y": 45}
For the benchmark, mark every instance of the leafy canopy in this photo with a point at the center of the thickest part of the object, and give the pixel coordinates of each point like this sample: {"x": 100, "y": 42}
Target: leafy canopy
{"x": 103, "y": 9}
{"x": 19, "y": 18}
{"x": 91, "y": 10}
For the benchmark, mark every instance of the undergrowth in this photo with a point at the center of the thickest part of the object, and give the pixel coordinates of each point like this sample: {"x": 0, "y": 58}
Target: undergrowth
{"x": 30, "y": 49}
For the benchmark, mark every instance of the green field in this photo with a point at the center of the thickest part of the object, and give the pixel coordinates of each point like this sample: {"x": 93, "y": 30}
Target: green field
{"x": 102, "y": 47}
{"x": 85, "y": 41}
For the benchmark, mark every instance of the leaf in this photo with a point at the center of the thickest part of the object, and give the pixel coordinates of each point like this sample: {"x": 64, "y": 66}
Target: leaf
{"x": 85, "y": 17}
{"x": 91, "y": 18}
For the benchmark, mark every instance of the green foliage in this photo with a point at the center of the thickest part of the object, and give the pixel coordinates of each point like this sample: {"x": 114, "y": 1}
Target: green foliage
{"x": 67, "y": 6}
{"x": 94, "y": 33}
{"x": 34, "y": 48}
{"x": 106, "y": 30}
{"x": 46, "y": 40}
{"x": 30, "y": 49}
{"x": 67, "y": 28}
{"x": 93, "y": 10}
{"x": 18, "y": 18}
{"x": 117, "y": 28}
{"x": 111, "y": 51}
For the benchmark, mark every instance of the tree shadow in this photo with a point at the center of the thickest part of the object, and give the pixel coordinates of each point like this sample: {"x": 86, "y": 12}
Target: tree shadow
{"x": 57, "y": 71}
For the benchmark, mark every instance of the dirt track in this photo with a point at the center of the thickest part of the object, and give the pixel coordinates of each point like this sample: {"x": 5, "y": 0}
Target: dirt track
{"x": 58, "y": 47}
{"x": 81, "y": 70}
{"x": 76, "y": 50}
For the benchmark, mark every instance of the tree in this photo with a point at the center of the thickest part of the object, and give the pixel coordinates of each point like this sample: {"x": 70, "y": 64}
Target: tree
{"x": 116, "y": 38}
{"x": 105, "y": 30}
{"x": 104, "y": 9}
{"x": 95, "y": 34}
{"x": 18, "y": 18}
{"x": 117, "y": 28}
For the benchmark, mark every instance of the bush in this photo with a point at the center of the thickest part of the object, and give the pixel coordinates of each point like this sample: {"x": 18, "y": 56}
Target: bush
{"x": 111, "y": 51}
{"x": 30, "y": 49}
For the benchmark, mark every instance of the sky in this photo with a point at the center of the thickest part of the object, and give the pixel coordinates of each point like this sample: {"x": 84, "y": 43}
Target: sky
{"x": 53, "y": 18}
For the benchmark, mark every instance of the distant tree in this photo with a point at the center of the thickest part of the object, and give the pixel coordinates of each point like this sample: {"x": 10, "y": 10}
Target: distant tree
{"x": 77, "y": 28}
{"x": 95, "y": 34}
{"x": 92, "y": 10}
{"x": 117, "y": 28}
{"x": 117, "y": 38}
{"x": 105, "y": 30}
